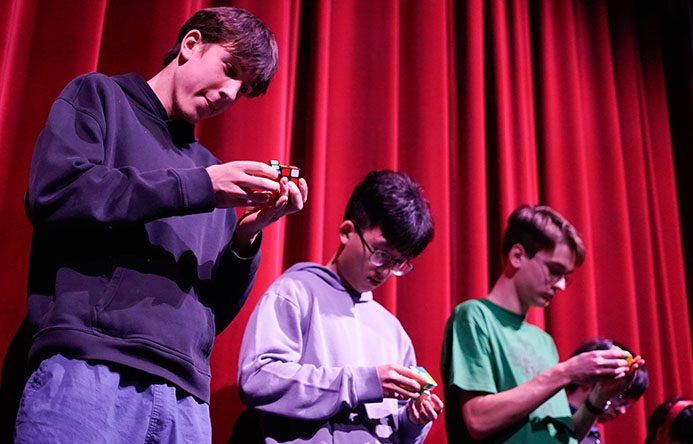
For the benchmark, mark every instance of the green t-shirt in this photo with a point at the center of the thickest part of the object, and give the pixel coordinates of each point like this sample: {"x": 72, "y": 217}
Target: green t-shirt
{"x": 490, "y": 349}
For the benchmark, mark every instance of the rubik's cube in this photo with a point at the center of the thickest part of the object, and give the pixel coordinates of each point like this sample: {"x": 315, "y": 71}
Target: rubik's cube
{"x": 629, "y": 359}
{"x": 430, "y": 382}
{"x": 293, "y": 173}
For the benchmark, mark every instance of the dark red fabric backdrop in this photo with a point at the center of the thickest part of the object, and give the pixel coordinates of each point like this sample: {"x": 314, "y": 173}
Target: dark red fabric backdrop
{"x": 488, "y": 104}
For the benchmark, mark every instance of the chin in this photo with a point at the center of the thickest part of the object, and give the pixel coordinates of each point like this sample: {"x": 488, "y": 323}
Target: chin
{"x": 354, "y": 286}
{"x": 544, "y": 301}
{"x": 365, "y": 288}
{"x": 194, "y": 118}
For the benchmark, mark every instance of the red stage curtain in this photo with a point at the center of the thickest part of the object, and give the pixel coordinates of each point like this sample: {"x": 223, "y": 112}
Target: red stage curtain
{"x": 488, "y": 104}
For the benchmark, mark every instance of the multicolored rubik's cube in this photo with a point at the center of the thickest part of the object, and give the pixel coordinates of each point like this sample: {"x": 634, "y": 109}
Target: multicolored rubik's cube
{"x": 430, "y": 382}
{"x": 629, "y": 359}
{"x": 293, "y": 173}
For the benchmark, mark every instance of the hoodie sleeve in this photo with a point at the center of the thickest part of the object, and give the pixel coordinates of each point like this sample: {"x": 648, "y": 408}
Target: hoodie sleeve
{"x": 272, "y": 379}
{"x": 71, "y": 179}
{"x": 233, "y": 280}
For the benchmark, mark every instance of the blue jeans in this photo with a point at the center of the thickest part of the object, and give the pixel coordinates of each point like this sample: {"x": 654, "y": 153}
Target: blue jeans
{"x": 73, "y": 401}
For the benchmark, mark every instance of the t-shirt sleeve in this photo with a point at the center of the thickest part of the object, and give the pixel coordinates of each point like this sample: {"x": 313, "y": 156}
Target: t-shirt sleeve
{"x": 469, "y": 358}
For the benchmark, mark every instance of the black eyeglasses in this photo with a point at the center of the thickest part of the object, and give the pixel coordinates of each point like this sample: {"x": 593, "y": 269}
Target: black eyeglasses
{"x": 379, "y": 258}
{"x": 620, "y": 401}
{"x": 556, "y": 273}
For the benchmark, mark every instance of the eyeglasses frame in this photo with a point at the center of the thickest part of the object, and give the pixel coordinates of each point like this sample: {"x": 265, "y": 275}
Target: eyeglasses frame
{"x": 390, "y": 264}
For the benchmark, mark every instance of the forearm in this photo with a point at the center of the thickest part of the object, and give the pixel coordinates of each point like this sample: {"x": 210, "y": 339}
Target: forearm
{"x": 583, "y": 419}
{"x": 99, "y": 194}
{"x": 582, "y": 422}
{"x": 306, "y": 391}
{"x": 273, "y": 374}
{"x": 232, "y": 282}
{"x": 487, "y": 414}
{"x": 79, "y": 175}
{"x": 244, "y": 243}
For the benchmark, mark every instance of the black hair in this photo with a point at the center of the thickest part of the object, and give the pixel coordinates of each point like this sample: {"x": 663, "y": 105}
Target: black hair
{"x": 395, "y": 203}
{"x": 539, "y": 228}
{"x": 681, "y": 430}
{"x": 641, "y": 378}
{"x": 251, "y": 44}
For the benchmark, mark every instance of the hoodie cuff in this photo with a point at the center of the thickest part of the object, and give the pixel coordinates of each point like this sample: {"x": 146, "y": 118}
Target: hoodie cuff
{"x": 366, "y": 385}
{"x": 196, "y": 190}
{"x": 252, "y": 252}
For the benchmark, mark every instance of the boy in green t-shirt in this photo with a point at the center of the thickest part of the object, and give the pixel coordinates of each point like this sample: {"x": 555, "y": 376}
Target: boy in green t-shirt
{"x": 503, "y": 381}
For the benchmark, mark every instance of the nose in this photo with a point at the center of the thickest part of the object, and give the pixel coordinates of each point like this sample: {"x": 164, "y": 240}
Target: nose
{"x": 383, "y": 271}
{"x": 229, "y": 90}
{"x": 560, "y": 284}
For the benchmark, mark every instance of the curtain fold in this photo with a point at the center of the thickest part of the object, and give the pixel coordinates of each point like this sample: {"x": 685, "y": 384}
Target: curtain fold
{"x": 488, "y": 104}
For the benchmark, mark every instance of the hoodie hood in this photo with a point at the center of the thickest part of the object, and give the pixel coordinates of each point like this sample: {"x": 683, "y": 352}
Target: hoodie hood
{"x": 139, "y": 91}
{"x": 330, "y": 278}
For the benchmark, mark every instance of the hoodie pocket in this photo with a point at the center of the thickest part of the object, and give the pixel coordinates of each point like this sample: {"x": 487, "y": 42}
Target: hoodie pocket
{"x": 156, "y": 310}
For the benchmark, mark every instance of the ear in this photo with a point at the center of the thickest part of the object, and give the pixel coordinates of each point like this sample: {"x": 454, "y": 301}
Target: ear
{"x": 346, "y": 228}
{"x": 515, "y": 255}
{"x": 187, "y": 46}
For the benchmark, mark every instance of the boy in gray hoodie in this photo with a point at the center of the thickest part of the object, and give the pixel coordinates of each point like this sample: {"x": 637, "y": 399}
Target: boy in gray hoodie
{"x": 321, "y": 361}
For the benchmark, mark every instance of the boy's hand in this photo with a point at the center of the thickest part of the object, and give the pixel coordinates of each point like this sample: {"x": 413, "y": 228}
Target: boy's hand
{"x": 290, "y": 199}
{"x": 399, "y": 382}
{"x": 243, "y": 183}
{"x": 593, "y": 366}
{"x": 425, "y": 409}
{"x": 604, "y": 390}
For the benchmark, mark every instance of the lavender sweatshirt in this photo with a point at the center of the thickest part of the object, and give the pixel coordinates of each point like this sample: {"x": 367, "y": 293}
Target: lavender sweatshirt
{"x": 308, "y": 363}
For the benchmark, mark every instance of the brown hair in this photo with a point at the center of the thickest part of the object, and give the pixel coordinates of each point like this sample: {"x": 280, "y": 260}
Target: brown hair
{"x": 539, "y": 228}
{"x": 251, "y": 44}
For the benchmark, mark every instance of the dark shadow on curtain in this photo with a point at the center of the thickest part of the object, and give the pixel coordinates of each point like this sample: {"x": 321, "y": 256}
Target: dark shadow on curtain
{"x": 677, "y": 55}
{"x": 15, "y": 372}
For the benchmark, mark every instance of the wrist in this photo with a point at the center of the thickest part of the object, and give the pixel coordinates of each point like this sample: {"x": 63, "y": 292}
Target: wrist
{"x": 244, "y": 246}
{"x": 246, "y": 231}
{"x": 213, "y": 176}
{"x": 559, "y": 376}
{"x": 244, "y": 239}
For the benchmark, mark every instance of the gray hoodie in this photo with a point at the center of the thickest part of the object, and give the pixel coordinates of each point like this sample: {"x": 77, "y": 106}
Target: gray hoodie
{"x": 308, "y": 363}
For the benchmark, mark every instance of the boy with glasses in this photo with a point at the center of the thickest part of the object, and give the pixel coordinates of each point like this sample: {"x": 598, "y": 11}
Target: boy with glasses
{"x": 503, "y": 381}
{"x": 321, "y": 361}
